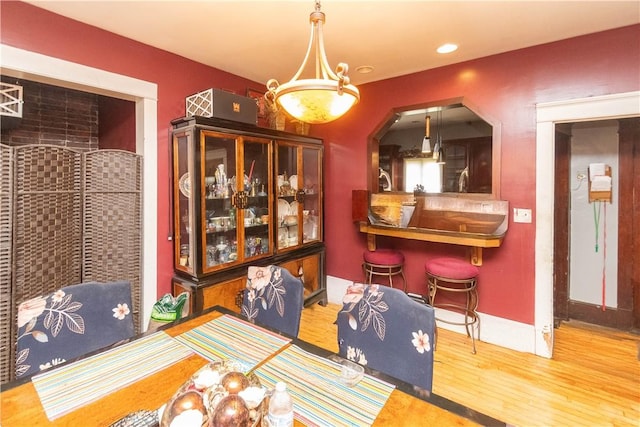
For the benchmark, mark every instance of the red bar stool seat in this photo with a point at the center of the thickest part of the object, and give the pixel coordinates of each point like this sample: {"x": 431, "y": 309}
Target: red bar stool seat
{"x": 449, "y": 274}
{"x": 384, "y": 262}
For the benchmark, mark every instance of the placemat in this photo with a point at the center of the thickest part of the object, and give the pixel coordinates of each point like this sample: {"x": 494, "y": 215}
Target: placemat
{"x": 319, "y": 399}
{"x": 68, "y": 388}
{"x": 227, "y": 337}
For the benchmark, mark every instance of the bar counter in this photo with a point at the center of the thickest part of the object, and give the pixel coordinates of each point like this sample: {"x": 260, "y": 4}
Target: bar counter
{"x": 20, "y": 403}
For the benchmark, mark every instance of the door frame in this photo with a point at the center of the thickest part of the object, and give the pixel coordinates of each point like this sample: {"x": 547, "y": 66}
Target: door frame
{"x": 40, "y": 68}
{"x": 547, "y": 116}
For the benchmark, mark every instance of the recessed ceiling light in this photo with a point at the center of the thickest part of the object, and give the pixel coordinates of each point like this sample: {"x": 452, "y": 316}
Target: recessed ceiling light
{"x": 364, "y": 69}
{"x": 447, "y": 48}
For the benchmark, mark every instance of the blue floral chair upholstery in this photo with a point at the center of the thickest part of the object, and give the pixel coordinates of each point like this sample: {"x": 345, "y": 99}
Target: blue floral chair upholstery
{"x": 274, "y": 298}
{"x": 384, "y": 329}
{"x": 71, "y": 322}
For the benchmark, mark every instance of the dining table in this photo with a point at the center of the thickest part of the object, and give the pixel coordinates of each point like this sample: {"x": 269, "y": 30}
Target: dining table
{"x": 143, "y": 373}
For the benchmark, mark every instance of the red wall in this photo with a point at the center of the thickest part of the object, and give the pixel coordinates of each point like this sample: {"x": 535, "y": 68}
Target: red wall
{"x": 505, "y": 87}
{"x": 117, "y": 119}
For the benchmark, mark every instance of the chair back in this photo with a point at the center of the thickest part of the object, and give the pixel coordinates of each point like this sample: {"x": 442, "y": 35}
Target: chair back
{"x": 384, "y": 329}
{"x": 274, "y": 298}
{"x": 71, "y": 322}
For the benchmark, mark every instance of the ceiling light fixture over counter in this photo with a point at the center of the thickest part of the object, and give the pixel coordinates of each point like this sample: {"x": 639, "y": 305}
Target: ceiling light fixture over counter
{"x": 447, "y": 48}
{"x": 321, "y": 99}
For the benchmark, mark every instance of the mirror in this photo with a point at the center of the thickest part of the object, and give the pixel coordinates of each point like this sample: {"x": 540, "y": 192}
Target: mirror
{"x": 463, "y": 155}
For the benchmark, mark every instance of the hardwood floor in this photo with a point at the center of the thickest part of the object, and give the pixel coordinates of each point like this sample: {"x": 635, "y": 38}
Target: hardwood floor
{"x": 592, "y": 380}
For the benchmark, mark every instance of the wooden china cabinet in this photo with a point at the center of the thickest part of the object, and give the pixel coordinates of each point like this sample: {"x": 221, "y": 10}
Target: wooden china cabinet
{"x": 244, "y": 195}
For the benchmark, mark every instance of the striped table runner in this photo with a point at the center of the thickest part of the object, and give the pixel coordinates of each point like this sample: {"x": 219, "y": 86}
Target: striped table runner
{"x": 70, "y": 387}
{"x": 230, "y": 338}
{"x": 319, "y": 399}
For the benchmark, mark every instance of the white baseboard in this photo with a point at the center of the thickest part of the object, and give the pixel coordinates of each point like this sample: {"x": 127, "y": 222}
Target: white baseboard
{"x": 494, "y": 330}
{"x": 336, "y": 288}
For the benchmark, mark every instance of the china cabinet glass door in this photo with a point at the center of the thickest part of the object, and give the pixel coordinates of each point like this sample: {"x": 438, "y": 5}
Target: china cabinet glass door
{"x": 183, "y": 204}
{"x": 287, "y": 188}
{"x": 219, "y": 216}
{"x": 256, "y": 199}
{"x": 235, "y": 200}
{"x": 312, "y": 202}
{"x": 299, "y": 199}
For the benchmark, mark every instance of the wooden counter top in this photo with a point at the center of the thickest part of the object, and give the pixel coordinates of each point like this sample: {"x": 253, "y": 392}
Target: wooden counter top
{"x": 474, "y": 241}
{"x": 431, "y": 235}
{"x": 474, "y": 223}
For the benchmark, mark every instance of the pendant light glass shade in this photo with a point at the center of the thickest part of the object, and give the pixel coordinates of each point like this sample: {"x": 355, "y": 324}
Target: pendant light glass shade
{"x": 321, "y": 99}
{"x": 438, "y": 147}
{"x": 426, "y": 141}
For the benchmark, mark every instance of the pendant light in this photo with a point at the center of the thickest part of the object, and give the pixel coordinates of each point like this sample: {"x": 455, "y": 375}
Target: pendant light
{"x": 426, "y": 142}
{"x": 437, "y": 148}
{"x": 321, "y": 99}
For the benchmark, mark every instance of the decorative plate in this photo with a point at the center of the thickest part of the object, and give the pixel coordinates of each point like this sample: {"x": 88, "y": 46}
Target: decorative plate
{"x": 283, "y": 209}
{"x": 293, "y": 208}
{"x": 185, "y": 185}
{"x": 293, "y": 181}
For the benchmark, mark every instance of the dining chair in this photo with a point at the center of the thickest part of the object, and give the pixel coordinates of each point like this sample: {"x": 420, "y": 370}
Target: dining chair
{"x": 387, "y": 331}
{"x": 73, "y": 321}
{"x": 274, "y": 298}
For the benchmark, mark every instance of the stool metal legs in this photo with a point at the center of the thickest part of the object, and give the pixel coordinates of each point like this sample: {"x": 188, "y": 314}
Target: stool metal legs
{"x": 389, "y": 271}
{"x": 466, "y": 286}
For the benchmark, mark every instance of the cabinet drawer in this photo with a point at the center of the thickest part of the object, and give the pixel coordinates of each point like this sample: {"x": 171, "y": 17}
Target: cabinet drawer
{"x": 224, "y": 294}
{"x": 202, "y": 297}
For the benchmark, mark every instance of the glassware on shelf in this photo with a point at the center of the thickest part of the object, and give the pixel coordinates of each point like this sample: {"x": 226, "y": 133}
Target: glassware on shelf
{"x": 262, "y": 193}
{"x": 282, "y": 237}
{"x": 309, "y": 227}
{"x": 232, "y": 218}
{"x": 253, "y": 246}
{"x": 184, "y": 255}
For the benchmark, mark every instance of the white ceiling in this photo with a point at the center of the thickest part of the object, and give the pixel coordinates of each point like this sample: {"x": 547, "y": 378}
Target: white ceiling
{"x": 263, "y": 39}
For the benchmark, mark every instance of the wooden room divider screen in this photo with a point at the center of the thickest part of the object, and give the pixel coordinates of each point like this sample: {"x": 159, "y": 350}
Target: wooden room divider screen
{"x": 66, "y": 217}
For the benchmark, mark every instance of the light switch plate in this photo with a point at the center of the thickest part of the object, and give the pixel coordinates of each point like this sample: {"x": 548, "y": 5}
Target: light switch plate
{"x": 521, "y": 215}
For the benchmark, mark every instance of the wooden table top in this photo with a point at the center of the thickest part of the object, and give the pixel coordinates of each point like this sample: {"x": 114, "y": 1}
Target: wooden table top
{"x": 20, "y": 404}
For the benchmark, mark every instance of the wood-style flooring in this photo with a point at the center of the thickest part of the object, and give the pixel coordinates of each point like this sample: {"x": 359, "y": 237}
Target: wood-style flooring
{"x": 593, "y": 378}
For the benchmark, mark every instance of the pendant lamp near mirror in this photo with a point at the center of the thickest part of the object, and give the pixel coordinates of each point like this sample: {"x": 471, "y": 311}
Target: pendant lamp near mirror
{"x": 426, "y": 142}
{"x": 438, "y": 148}
{"x": 317, "y": 100}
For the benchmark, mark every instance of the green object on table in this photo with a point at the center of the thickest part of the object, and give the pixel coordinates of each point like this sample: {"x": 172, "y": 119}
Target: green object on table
{"x": 169, "y": 309}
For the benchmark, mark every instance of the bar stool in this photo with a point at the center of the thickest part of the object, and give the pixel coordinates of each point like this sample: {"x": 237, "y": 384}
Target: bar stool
{"x": 455, "y": 275}
{"x": 384, "y": 262}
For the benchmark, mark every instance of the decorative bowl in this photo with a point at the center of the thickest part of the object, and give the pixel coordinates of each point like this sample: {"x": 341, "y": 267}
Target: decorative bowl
{"x": 350, "y": 372}
{"x": 197, "y": 401}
